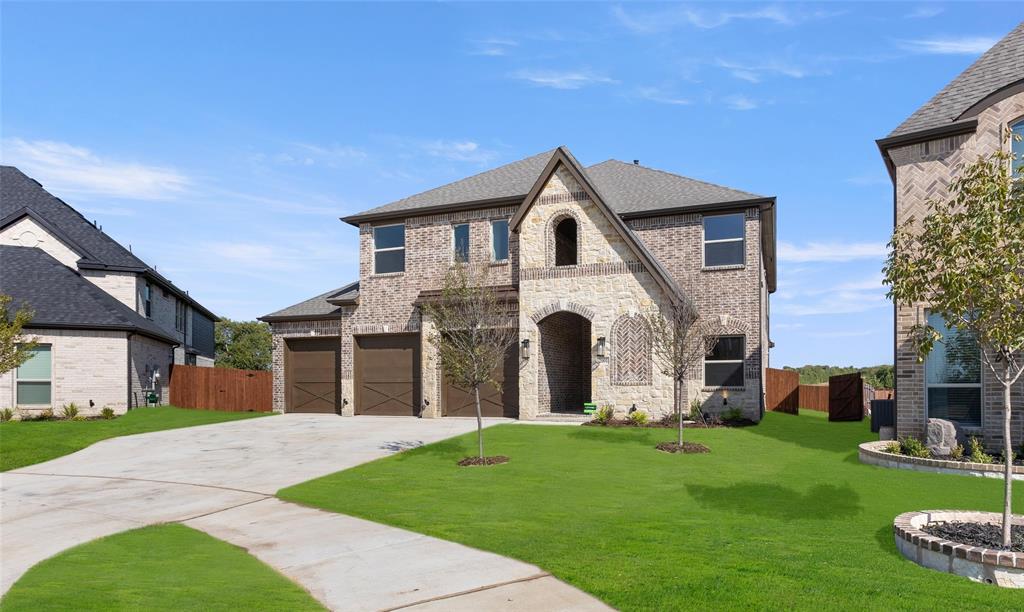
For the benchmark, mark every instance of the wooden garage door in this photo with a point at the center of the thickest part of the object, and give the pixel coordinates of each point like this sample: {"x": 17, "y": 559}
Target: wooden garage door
{"x": 387, "y": 373}
{"x": 495, "y": 401}
{"x": 311, "y": 374}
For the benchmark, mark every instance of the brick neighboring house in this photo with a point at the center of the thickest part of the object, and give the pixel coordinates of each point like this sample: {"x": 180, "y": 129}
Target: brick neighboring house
{"x": 580, "y": 252}
{"x": 108, "y": 326}
{"x": 964, "y": 121}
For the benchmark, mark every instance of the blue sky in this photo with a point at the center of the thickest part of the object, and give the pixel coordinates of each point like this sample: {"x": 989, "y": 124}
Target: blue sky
{"x": 224, "y": 140}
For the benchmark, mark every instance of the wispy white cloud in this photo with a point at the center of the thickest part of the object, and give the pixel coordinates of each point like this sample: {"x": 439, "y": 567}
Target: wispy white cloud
{"x": 288, "y": 251}
{"x": 667, "y": 19}
{"x": 493, "y": 47}
{"x": 655, "y": 94}
{"x": 787, "y": 325}
{"x": 70, "y": 169}
{"x": 459, "y": 150}
{"x": 924, "y": 12}
{"x": 741, "y": 103}
{"x": 558, "y": 79}
{"x": 756, "y": 71}
{"x": 851, "y": 333}
{"x": 962, "y": 45}
{"x": 830, "y": 251}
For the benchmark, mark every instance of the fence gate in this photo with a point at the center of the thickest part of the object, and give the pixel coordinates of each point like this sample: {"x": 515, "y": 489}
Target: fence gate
{"x": 221, "y": 389}
{"x": 782, "y": 391}
{"x": 846, "y": 397}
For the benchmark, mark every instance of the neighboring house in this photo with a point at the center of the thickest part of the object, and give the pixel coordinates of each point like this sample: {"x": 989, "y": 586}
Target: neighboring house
{"x": 108, "y": 326}
{"x": 581, "y": 253}
{"x": 965, "y": 120}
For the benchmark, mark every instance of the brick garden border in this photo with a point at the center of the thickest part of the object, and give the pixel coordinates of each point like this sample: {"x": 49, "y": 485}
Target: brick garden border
{"x": 1002, "y": 568}
{"x": 871, "y": 453}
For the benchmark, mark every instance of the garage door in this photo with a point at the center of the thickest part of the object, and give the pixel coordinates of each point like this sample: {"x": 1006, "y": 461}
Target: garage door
{"x": 387, "y": 373}
{"x": 311, "y": 374}
{"x": 495, "y": 400}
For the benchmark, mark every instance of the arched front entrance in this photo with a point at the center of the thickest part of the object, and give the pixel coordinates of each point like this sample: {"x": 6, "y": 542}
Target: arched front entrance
{"x": 563, "y": 363}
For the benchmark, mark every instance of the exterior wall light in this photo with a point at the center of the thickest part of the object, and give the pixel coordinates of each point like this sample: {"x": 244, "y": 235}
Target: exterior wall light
{"x": 725, "y": 397}
{"x": 526, "y": 348}
{"x": 600, "y": 346}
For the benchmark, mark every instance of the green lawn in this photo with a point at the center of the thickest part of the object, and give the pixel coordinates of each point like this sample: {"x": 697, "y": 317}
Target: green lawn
{"x": 162, "y": 567}
{"x": 25, "y": 443}
{"x": 777, "y": 516}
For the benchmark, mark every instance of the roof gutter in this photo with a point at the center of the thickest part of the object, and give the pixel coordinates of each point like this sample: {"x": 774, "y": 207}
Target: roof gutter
{"x": 427, "y": 210}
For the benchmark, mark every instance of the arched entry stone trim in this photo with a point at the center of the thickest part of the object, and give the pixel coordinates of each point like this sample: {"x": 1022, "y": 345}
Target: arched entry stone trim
{"x": 552, "y": 308}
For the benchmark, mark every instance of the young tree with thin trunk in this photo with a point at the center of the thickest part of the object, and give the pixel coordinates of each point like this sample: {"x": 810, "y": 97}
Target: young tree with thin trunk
{"x": 681, "y": 338}
{"x": 965, "y": 262}
{"x": 15, "y": 348}
{"x": 473, "y": 330}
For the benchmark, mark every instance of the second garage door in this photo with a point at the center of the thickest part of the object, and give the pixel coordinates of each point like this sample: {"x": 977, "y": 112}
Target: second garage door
{"x": 495, "y": 400}
{"x": 387, "y": 375}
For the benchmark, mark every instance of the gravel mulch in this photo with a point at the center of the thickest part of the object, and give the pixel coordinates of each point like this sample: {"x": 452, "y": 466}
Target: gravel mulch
{"x": 986, "y": 535}
{"x": 471, "y": 461}
{"x": 687, "y": 447}
{"x": 672, "y": 425}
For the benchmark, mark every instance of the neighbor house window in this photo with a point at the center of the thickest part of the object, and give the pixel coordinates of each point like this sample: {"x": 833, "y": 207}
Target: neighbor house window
{"x": 460, "y": 243}
{"x": 34, "y": 378}
{"x": 1017, "y": 146}
{"x": 953, "y": 375}
{"x": 388, "y": 249}
{"x": 499, "y": 240}
{"x": 565, "y": 242}
{"x": 723, "y": 367}
{"x": 723, "y": 240}
{"x": 179, "y": 315}
{"x": 147, "y": 299}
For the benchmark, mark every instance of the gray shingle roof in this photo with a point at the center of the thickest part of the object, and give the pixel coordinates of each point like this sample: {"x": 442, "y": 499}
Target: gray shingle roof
{"x": 20, "y": 194}
{"x": 1000, "y": 66}
{"x": 62, "y": 298}
{"x": 317, "y": 307}
{"x": 627, "y": 189}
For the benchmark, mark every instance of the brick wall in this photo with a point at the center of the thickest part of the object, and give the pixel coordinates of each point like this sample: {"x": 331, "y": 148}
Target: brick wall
{"x": 564, "y": 362}
{"x": 28, "y": 233}
{"x": 121, "y": 285}
{"x": 923, "y": 172}
{"x": 149, "y": 356}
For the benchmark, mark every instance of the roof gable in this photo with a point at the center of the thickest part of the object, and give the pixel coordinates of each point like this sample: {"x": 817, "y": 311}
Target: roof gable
{"x": 327, "y": 305}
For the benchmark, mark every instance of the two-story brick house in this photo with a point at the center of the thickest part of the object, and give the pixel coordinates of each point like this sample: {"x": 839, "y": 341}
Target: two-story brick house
{"x": 581, "y": 253}
{"x": 108, "y": 326}
{"x": 966, "y": 120}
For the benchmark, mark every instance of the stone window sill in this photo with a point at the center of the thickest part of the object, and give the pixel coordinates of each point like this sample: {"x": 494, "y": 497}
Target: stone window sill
{"x": 387, "y": 274}
{"x": 721, "y": 268}
{"x": 713, "y": 389}
{"x": 503, "y": 262}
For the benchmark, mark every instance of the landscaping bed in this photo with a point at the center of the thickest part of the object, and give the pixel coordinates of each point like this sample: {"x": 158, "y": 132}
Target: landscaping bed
{"x": 985, "y": 535}
{"x": 685, "y": 447}
{"x": 479, "y": 461}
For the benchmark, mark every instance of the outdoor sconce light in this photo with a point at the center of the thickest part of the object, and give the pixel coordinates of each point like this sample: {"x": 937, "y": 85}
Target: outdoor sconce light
{"x": 725, "y": 397}
{"x": 600, "y": 346}
{"x": 526, "y": 348}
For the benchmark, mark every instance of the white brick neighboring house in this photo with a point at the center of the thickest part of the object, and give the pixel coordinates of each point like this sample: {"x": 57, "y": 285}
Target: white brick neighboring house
{"x": 580, "y": 253}
{"x": 964, "y": 121}
{"x": 108, "y": 326}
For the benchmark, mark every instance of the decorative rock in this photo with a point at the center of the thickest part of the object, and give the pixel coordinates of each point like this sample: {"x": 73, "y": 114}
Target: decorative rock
{"x": 941, "y": 437}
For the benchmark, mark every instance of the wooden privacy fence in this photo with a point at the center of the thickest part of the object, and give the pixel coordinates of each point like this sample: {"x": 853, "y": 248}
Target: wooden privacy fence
{"x": 221, "y": 389}
{"x": 814, "y": 397}
{"x": 782, "y": 390}
{"x": 846, "y": 397}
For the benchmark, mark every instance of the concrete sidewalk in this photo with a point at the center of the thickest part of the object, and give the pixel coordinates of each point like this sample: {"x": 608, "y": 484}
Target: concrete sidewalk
{"x": 221, "y": 479}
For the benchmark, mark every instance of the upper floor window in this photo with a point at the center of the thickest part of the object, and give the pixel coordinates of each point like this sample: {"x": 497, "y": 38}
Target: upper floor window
{"x": 147, "y": 299}
{"x": 179, "y": 315}
{"x": 34, "y": 378}
{"x": 723, "y": 367}
{"x": 1017, "y": 146}
{"x": 565, "y": 242}
{"x": 460, "y": 243}
{"x": 389, "y": 249}
{"x": 499, "y": 240}
{"x": 723, "y": 240}
{"x": 953, "y": 375}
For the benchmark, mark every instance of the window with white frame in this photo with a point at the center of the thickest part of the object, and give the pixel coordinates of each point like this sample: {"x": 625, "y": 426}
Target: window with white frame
{"x": 499, "y": 240}
{"x": 723, "y": 240}
{"x": 953, "y": 375}
{"x": 1017, "y": 146}
{"x": 179, "y": 315}
{"x": 389, "y": 249}
{"x": 460, "y": 243}
{"x": 723, "y": 367}
{"x": 34, "y": 378}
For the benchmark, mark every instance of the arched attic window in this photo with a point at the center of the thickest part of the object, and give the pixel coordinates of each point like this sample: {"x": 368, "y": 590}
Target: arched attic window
{"x": 566, "y": 236}
{"x": 1017, "y": 146}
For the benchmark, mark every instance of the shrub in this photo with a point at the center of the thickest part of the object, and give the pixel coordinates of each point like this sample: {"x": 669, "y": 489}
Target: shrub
{"x": 957, "y": 454}
{"x": 604, "y": 415}
{"x": 912, "y": 447}
{"x": 69, "y": 411}
{"x": 696, "y": 413}
{"x": 894, "y": 447}
{"x": 670, "y": 419}
{"x": 6, "y": 415}
{"x": 732, "y": 415}
{"x": 977, "y": 454}
{"x": 107, "y": 413}
{"x": 637, "y": 417}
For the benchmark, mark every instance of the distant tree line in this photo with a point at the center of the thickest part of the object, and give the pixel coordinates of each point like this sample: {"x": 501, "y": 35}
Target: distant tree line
{"x": 879, "y": 377}
{"x": 245, "y": 345}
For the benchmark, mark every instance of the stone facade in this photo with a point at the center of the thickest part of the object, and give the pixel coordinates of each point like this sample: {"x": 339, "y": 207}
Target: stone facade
{"x": 28, "y": 233}
{"x": 923, "y": 171}
{"x": 121, "y": 285}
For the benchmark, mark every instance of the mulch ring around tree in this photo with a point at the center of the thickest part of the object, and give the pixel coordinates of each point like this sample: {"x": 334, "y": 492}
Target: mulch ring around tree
{"x": 686, "y": 447}
{"x": 672, "y": 424}
{"x": 985, "y": 535}
{"x": 471, "y": 461}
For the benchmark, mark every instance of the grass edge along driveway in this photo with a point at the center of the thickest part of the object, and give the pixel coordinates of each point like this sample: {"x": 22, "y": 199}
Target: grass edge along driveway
{"x": 159, "y": 567}
{"x": 25, "y": 443}
{"x": 781, "y": 515}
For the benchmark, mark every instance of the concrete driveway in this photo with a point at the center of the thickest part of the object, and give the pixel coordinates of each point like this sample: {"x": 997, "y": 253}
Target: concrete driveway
{"x": 221, "y": 479}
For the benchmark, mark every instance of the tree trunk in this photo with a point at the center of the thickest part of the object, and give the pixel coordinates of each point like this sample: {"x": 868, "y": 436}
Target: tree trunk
{"x": 1007, "y": 456}
{"x": 679, "y": 409}
{"x": 479, "y": 422}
